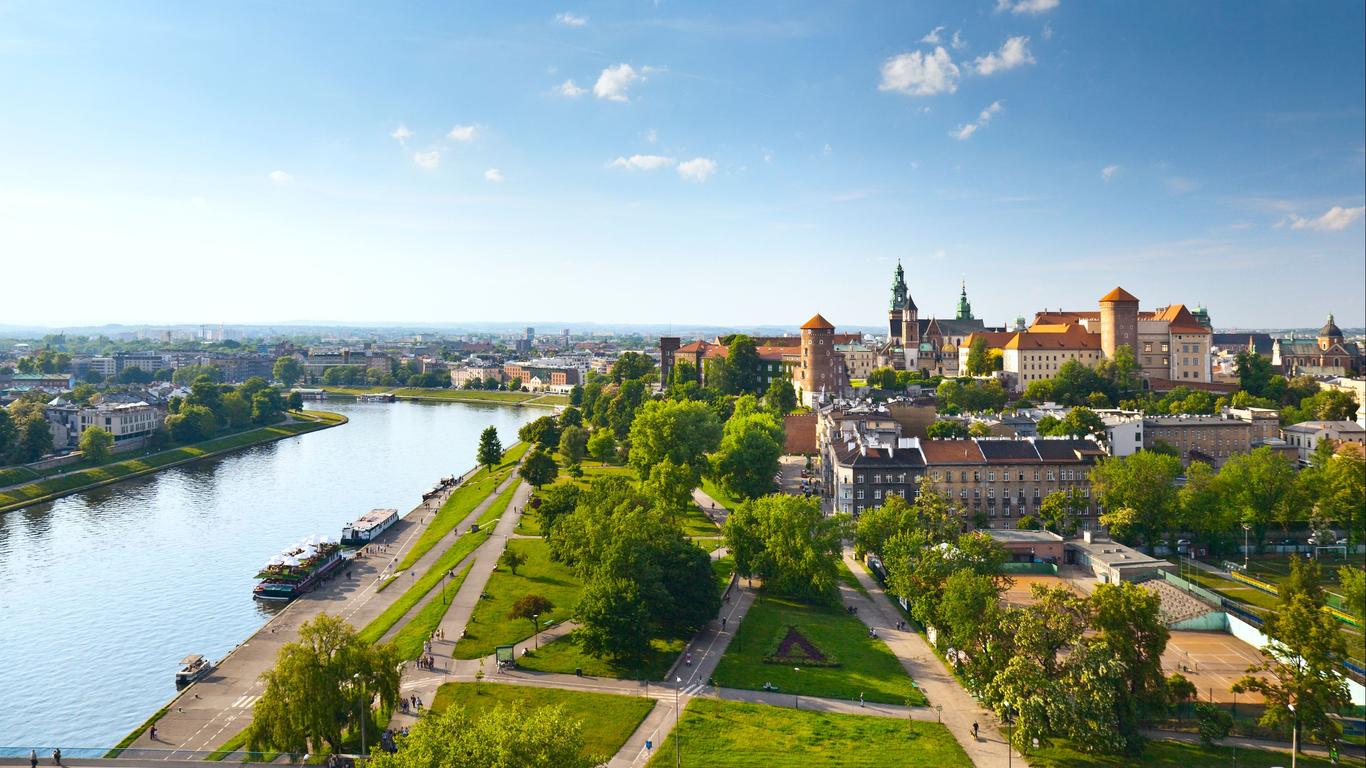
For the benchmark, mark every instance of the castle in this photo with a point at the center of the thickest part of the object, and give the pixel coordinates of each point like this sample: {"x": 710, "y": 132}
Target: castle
{"x": 926, "y": 345}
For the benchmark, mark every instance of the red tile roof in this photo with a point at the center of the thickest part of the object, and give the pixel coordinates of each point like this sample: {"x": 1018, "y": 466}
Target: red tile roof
{"x": 1074, "y": 337}
{"x": 1119, "y": 294}
{"x": 951, "y": 452}
{"x": 817, "y": 323}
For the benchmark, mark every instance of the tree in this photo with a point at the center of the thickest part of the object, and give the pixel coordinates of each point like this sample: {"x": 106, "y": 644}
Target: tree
{"x": 780, "y": 397}
{"x": 631, "y": 365}
{"x": 9, "y": 437}
{"x": 236, "y": 411}
{"x": 529, "y": 607}
{"x": 683, "y": 432}
{"x": 602, "y": 446}
{"x": 1201, "y": 507}
{"x": 947, "y": 429}
{"x": 671, "y": 485}
{"x": 319, "y": 686}
{"x": 1300, "y": 660}
{"x": 748, "y": 457}
{"x": 787, "y": 542}
{"x": 539, "y": 469}
{"x": 972, "y": 617}
{"x": 573, "y": 444}
{"x": 918, "y": 566}
{"x": 1128, "y": 623}
{"x": 1334, "y": 486}
{"x": 490, "y": 453}
{"x": 553, "y": 503}
{"x": 96, "y": 445}
{"x": 511, "y": 559}
{"x": 978, "y": 429}
{"x": 1139, "y": 493}
{"x": 571, "y": 417}
{"x": 1060, "y": 509}
{"x": 507, "y": 736}
{"x": 1215, "y": 722}
{"x": 191, "y": 424}
{"x": 1260, "y": 486}
{"x": 287, "y": 370}
{"x": 614, "y": 620}
{"x": 1080, "y": 422}
{"x": 543, "y": 432}
{"x": 1352, "y": 583}
{"x": 1180, "y": 692}
{"x": 1254, "y": 373}
{"x": 979, "y": 361}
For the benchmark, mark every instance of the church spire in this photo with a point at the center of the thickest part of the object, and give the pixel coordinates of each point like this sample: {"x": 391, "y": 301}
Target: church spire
{"x": 899, "y": 288}
{"x": 964, "y": 308}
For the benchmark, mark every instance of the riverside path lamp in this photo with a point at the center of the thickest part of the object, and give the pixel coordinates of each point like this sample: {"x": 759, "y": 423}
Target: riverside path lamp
{"x": 1294, "y": 735}
{"x": 360, "y": 706}
{"x": 1246, "y": 527}
{"x": 678, "y": 735}
{"x": 1010, "y": 755}
{"x": 796, "y": 697}
{"x": 536, "y": 619}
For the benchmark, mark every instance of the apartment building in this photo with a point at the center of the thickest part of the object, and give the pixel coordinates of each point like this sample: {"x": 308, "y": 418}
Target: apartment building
{"x": 1211, "y": 439}
{"x": 1306, "y": 436}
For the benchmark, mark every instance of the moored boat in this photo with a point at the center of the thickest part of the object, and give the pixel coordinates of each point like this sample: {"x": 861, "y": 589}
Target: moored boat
{"x": 368, "y": 527}
{"x": 298, "y": 569}
{"x": 192, "y": 668}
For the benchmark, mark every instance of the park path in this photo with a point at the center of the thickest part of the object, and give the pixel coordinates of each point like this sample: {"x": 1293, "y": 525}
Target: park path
{"x": 960, "y": 709}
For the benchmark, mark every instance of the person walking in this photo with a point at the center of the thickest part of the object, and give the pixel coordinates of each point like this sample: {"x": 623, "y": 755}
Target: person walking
{"x": 33, "y": 758}
{"x": 974, "y": 730}
{"x": 860, "y": 698}
{"x": 57, "y": 756}
{"x": 154, "y": 732}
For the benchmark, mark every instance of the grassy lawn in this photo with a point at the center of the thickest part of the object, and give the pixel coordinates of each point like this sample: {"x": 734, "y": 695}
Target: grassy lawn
{"x": 125, "y": 468}
{"x": 382, "y": 623}
{"x": 490, "y": 626}
{"x": 420, "y": 627}
{"x": 608, "y": 720}
{"x": 499, "y": 506}
{"x": 16, "y": 475}
{"x": 696, "y": 523}
{"x": 1166, "y": 754}
{"x": 723, "y": 568}
{"x": 1233, "y": 590}
{"x": 731, "y": 733}
{"x": 461, "y": 502}
{"x": 848, "y": 578}
{"x": 713, "y": 490}
{"x": 529, "y": 524}
{"x": 564, "y": 655}
{"x": 1276, "y": 571}
{"x": 866, "y": 665}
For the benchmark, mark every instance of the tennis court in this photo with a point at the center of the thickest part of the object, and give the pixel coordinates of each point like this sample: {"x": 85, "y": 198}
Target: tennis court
{"x": 1018, "y": 594}
{"x": 1212, "y": 661}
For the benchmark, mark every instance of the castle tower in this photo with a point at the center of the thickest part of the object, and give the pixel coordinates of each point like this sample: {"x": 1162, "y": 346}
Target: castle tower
{"x": 896, "y": 310}
{"x": 964, "y": 308}
{"x": 816, "y": 374}
{"x": 1118, "y": 321}
{"x": 1329, "y": 334}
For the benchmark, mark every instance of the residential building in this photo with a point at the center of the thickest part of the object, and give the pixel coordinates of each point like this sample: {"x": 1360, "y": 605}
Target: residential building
{"x": 125, "y": 421}
{"x": 538, "y": 375}
{"x": 1123, "y": 430}
{"x": 1354, "y": 387}
{"x": 1306, "y": 435}
{"x": 1329, "y": 354}
{"x": 1025, "y": 546}
{"x": 859, "y": 359}
{"x": 1211, "y": 439}
{"x": 463, "y": 375}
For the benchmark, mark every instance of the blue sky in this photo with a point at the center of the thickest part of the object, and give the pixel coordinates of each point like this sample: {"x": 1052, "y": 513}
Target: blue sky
{"x": 726, "y": 163}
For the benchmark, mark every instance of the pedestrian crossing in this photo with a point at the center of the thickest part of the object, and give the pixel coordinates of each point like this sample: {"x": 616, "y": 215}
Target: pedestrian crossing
{"x": 694, "y": 689}
{"x": 245, "y": 701}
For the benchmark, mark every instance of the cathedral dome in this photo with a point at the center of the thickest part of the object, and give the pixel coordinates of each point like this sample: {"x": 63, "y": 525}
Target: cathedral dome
{"x": 1330, "y": 329}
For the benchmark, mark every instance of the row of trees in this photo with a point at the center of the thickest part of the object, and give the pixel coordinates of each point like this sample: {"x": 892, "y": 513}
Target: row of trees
{"x": 1258, "y": 489}
{"x": 211, "y": 407}
{"x": 24, "y": 432}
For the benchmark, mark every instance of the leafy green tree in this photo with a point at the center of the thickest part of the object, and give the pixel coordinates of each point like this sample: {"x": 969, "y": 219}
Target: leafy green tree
{"x": 1060, "y": 509}
{"x": 319, "y": 686}
{"x": 571, "y": 417}
{"x": 1138, "y": 493}
{"x": 602, "y": 446}
{"x": 1097, "y": 715}
{"x": 543, "y": 432}
{"x": 96, "y": 445}
{"x": 9, "y": 437}
{"x": 507, "y": 736}
{"x": 1049, "y": 626}
{"x": 631, "y": 365}
{"x": 1260, "y": 487}
{"x": 787, "y": 542}
{"x": 236, "y": 411}
{"x": 1180, "y": 692}
{"x": 511, "y": 559}
{"x": 191, "y": 424}
{"x": 918, "y": 566}
{"x": 1079, "y": 422}
{"x": 978, "y": 429}
{"x": 614, "y": 620}
{"x": 539, "y": 468}
{"x": 490, "y": 453}
{"x": 780, "y": 397}
{"x": 979, "y": 360}
{"x": 748, "y": 457}
{"x": 1040, "y": 391}
{"x": 287, "y": 370}
{"x": 553, "y": 503}
{"x": 930, "y": 516}
{"x": 1128, "y": 624}
{"x": 1202, "y": 508}
{"x": 1352, "y": 583}
{"x": 947, "y": 429}
{"x": 1215, "y": 722}
{"x": 576, "y": 396}
{"x": 574, "y": 444}
{"x": 1035, "y": 701}
{"x": 1300, "y": 660}
{"x": 671, "y": 485}
{"x": 1254, "y": 373}
{"x": 743, "y": 371}
{"x": 529, "y": 607}
{"x": 683, "y": 432}
{"x": 974, "y": 624}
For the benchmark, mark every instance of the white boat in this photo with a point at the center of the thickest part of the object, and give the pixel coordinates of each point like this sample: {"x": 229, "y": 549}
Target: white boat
{"x": 368, "y": 527}
{"x": 192, "y": 668}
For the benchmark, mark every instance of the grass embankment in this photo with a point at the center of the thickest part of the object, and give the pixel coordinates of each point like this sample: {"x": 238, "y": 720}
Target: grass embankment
{"x": 461, "y": 502}
{"x": 499, "y": 506}
{"x": 608, "y": 720}
{"x": 136, "y": 733}
{"x": 733, "y": 733}
{"x": 420, "y": 627}
{"x": 695, "y": 523}
{"x": 723, "y": 568}
{"x": 565, "y": 656}
{"x": 848, "y": 578}
{"x": 1275, "y": 570}
{"x": 1167, "y": 754}
{"x": 382, "y": 623}
{"x": 17, "y": 475}
{"x": 723, "y": 499}
{"x": 865, "y": 665}
{"x": 489, "y": 625}
{"x": 122, "y": 469}
{"x": 456, "y": 395}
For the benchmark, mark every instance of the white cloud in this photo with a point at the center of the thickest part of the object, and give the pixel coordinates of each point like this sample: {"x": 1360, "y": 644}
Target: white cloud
{"x": 958, "y": 42}
{"x": 570, "y": 20}
{"x": 615, "y": 81}
{"x": 429, "y": 160}
{"x": 920, "y": 74}
{"x": 1014, "y": 53}
{"x": 494, "y": 175}
{"x": 966, "y": 130}
{"x": 642, "y": 162}
{"x": 1179, "y": 185}
{"x": 568, "y": 88}
{"x": 698, "y": 169}
{"x": 1026, "y": 6}
{"x": 401, "y": 133}
{"x": 933, "y": 37}
{"x": 280, "y": 178}
{"x": 462, "y": 133}
{"x": 1337, "y": 218}
{"x": 1109, "y": 171}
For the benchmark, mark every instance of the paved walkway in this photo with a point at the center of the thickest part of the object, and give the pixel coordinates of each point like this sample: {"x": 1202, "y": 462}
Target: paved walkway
{"x": 960, "y": 709}
{"x": 1349, "y": 754}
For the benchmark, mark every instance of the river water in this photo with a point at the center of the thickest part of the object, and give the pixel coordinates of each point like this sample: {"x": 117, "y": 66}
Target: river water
{"x": 102, "y": 593}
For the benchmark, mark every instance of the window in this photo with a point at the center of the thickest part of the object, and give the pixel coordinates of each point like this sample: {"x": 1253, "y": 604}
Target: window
{"x": 877, "y": 479}
{"x": 1022, "y": 475}
{"x": 860, "y": 494}
{"x": 964, "y": 477}
{"x": 1036, "y": 495}
{"x": 1050, "y": 474}
{"x": 901, "y": 478}
{"x": 877, "y": 495}
{"x": 976, "y": 476}
{"x": 1147, "y": 346}
{"x": 976, "y": 493}
{"x": 963, "y": 494}
{"x": 1036, "y": 475}
{"x": 859, "y": 479}
{"x": 1164, "y": 347}
{"x": 991, "y": 493}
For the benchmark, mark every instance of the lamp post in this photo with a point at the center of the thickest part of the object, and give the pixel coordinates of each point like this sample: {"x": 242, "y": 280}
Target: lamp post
{"x": 361, "y": 706}
{"x": 1246, "y": 527}
{"x": 796, "y": 697}
{"x": 678, "y": 735}
{"x": 536, "y": 619}
{"x": 1009, "y": 721}
{"x": 1294, "y": 735}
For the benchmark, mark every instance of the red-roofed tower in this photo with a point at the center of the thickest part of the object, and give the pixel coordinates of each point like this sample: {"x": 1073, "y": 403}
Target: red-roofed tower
{"x": 1118, "y": 321}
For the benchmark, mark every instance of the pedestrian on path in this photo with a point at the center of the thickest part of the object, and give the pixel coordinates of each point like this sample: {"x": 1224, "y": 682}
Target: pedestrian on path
{"x": 860, "y": 698}
{"x": 974, "y": 730}
{"x": 57, "y": 756}
{"x": 154, "y": 732}
{"x": 33, "y": 758}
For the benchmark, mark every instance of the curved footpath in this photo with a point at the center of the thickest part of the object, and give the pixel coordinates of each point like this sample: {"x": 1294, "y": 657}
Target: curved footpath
{"x": 315, "y": 425}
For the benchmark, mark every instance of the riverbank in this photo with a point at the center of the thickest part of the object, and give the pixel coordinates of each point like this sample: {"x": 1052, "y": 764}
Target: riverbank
{"x": 117, "y": 470}
{"x": 490, "y": 397}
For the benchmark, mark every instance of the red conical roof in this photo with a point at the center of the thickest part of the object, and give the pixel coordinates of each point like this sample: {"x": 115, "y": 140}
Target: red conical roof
{"x": 817, "y": 323}
{"x": 1118, "y": 294}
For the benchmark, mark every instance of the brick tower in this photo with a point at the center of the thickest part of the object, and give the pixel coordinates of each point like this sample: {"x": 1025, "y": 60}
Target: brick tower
{"x": 1118, "y": 321}
{"x": 817, "y": 373}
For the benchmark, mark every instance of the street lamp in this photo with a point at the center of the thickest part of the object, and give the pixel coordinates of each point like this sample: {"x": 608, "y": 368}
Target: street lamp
{"x": 1294, "y": 735}
{"x": 361, "y": 706}
{"x": 1009, "y": 722}
{"x": 678, "y": 735}
{"x": 1246, "y": 527}
{"x": 796, "y": 697}
{"x": 536, "y": 619}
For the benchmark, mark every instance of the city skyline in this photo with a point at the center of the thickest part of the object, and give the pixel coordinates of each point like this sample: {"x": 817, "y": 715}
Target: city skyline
{"x": 651, "y": 164}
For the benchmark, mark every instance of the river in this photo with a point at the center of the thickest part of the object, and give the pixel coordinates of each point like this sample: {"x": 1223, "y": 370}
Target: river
{"x": 104, "y": 592}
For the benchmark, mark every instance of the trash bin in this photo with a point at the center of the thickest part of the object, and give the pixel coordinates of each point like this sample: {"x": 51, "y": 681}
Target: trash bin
{"x": 578, "y": 671}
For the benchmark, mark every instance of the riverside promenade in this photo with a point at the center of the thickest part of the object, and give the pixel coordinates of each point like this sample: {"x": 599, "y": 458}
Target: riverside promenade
{"x": 219, "y": 707}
